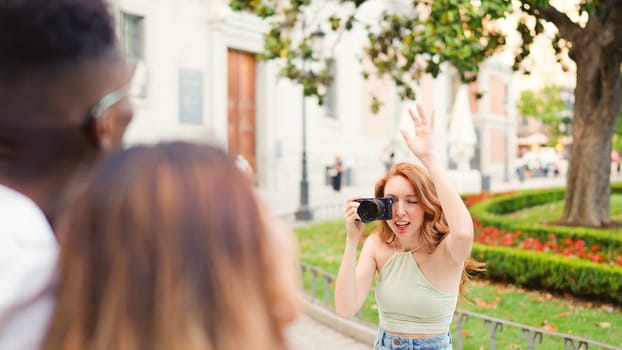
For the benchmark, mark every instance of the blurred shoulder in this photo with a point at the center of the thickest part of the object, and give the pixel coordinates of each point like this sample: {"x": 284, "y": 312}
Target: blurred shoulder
{"x": 22, "y": 219}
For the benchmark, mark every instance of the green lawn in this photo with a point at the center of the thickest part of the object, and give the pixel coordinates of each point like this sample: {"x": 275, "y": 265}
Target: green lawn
{"x": 554, "y": 210}
{"x": 321, "y": 245}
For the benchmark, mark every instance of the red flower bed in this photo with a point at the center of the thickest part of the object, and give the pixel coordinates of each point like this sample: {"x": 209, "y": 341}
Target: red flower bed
{"x": 573, "y": 249}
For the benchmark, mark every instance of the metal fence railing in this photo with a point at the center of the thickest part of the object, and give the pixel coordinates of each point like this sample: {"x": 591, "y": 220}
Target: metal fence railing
{"x": 319, "y": 287}
{"x": 531, "y": 335}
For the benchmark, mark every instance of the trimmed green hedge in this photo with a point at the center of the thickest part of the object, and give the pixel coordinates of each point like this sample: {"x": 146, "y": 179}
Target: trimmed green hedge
{"x": 550, "y": 272}
{"x": 544, "y": 271}
{"x": 490, "y": 213}
{"x": 527, "y": 199}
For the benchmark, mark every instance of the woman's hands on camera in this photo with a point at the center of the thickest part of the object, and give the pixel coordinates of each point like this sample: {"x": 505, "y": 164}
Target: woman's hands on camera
{"x": 354, "y": 226}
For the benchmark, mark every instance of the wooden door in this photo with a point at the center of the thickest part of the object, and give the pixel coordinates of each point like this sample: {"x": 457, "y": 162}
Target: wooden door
{"x": 241, "y": 105}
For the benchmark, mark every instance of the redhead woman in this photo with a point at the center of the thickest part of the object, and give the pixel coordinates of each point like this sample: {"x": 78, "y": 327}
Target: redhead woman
{"x": 421, "y": 251}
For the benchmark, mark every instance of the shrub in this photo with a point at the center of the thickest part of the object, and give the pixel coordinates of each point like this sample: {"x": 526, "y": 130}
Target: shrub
{"x": 530, "y": 262}
{"x": 490, "y": 213}
{"x": 550, "y": 272}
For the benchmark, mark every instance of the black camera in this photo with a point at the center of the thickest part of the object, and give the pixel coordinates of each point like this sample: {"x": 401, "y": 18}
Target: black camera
{"x": 372, "y": 209}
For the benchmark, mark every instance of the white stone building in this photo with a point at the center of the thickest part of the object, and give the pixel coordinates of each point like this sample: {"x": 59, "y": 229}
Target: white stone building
{"x": 203, "y": 82}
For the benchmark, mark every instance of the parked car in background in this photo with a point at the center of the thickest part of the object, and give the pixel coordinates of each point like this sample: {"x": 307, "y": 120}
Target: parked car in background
{"x": 544, "y": 161}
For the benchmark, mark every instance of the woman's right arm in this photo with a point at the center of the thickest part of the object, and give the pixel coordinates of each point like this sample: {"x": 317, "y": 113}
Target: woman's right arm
{"x": 354, "y": 279}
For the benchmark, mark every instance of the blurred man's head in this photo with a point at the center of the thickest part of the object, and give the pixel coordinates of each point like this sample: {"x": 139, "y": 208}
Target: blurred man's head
{"x": 62, "y": 100}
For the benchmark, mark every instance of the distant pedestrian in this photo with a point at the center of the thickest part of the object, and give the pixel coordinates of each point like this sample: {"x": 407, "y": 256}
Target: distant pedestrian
{"x": 168, "y": 247}
{"x": 245, "y": 166}
{"x": 336, "y": 172}
{"x": 615, "y": 157}
{"x": 555, "y": 167}
{"x": 389, "y": 161}
{"x": 520, "y": 171}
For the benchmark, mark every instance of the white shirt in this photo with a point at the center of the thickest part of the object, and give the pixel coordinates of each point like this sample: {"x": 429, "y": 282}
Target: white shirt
{"x": 28, "y": 254}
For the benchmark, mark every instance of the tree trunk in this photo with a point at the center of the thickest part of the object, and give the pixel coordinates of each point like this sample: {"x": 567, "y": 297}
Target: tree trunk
{"x": 597, "y": 103}
{"x": 588, "y": 186}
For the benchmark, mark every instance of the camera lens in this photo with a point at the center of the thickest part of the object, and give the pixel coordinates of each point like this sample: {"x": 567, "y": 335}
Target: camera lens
{"x": 370, "y": 210}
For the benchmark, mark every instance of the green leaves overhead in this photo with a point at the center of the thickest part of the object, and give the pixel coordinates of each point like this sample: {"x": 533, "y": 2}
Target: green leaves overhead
{"x": 258, "y": 7}
{"x": 409, "y": 45}
{"x": 407, "y": 42}
{"x": 403, "y": 45}
{"x": 418, "y": 37}
{"x": 546, "y": 104}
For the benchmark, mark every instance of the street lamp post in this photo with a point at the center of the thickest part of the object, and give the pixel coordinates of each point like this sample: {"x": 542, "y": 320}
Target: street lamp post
{"x": 567, "y": 97}
{"x": 506, "y": 135}
{"x": 304, "y": 212}
{"x": 506, "y": 163}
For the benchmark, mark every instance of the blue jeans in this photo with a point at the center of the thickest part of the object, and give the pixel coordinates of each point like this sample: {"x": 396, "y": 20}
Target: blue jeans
{"x": 386, "y": 341}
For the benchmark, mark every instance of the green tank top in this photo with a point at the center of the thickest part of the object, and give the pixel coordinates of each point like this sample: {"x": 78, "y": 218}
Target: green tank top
{"x": 408, "y": 303}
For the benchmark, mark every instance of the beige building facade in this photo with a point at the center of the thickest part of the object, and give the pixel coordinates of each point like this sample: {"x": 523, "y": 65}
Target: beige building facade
{"x": 198, "y": 78}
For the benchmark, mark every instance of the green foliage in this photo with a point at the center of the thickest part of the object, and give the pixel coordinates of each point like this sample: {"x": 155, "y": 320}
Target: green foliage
{"x": 403, "y": 45}
{"x": 617, "y": 136}
{"x": 545, "y": 104}
{"x": 321, "y": 245}
{"x": 546, "y": 271}
{"x": 258, "y": 7}
{"x": 491, "y": 213}
{"x": 551, "y": 212}
{"x": 550, "y": 272}
{"x": 407, "y": 46}
{"x": 525, "y": 199}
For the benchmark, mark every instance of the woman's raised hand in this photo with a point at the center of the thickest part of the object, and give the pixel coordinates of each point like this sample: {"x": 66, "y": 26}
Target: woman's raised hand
{"x": 421, "y": 142}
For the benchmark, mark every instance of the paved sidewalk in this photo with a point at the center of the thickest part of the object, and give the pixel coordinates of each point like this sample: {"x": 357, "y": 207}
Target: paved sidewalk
{"x": 538, "y": 182}
{"x": 308, "y": 334}
{"x": 285, "y": 202}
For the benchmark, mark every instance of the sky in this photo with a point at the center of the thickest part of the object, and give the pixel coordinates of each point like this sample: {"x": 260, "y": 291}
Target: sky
{"x": 545, "y": 69}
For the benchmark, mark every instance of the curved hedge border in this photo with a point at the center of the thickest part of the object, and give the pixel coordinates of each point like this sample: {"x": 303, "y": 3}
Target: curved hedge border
{"x": 544, "y": 271}
{"x": 490, "y": 213}
{"x": 550, "y": 272}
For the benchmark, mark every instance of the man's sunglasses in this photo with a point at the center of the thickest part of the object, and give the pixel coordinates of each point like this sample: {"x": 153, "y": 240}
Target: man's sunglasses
{"x": 109, "y": 100}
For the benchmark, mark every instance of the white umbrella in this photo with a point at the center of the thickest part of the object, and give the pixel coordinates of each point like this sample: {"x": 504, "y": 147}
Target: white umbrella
{"x": 462, "y": 137}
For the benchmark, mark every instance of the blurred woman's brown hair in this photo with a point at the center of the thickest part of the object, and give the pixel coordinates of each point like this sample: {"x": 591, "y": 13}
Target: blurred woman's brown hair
{"x": 434, "y": 227}
{"x": 168, "y": 248}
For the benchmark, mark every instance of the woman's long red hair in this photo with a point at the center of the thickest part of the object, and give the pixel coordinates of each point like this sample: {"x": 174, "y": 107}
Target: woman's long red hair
{"x": 434, "y": 227}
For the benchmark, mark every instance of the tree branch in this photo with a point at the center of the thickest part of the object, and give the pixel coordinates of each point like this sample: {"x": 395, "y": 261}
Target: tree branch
{"x": 611, "y": 36}
{"x": 568, "y": 30}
